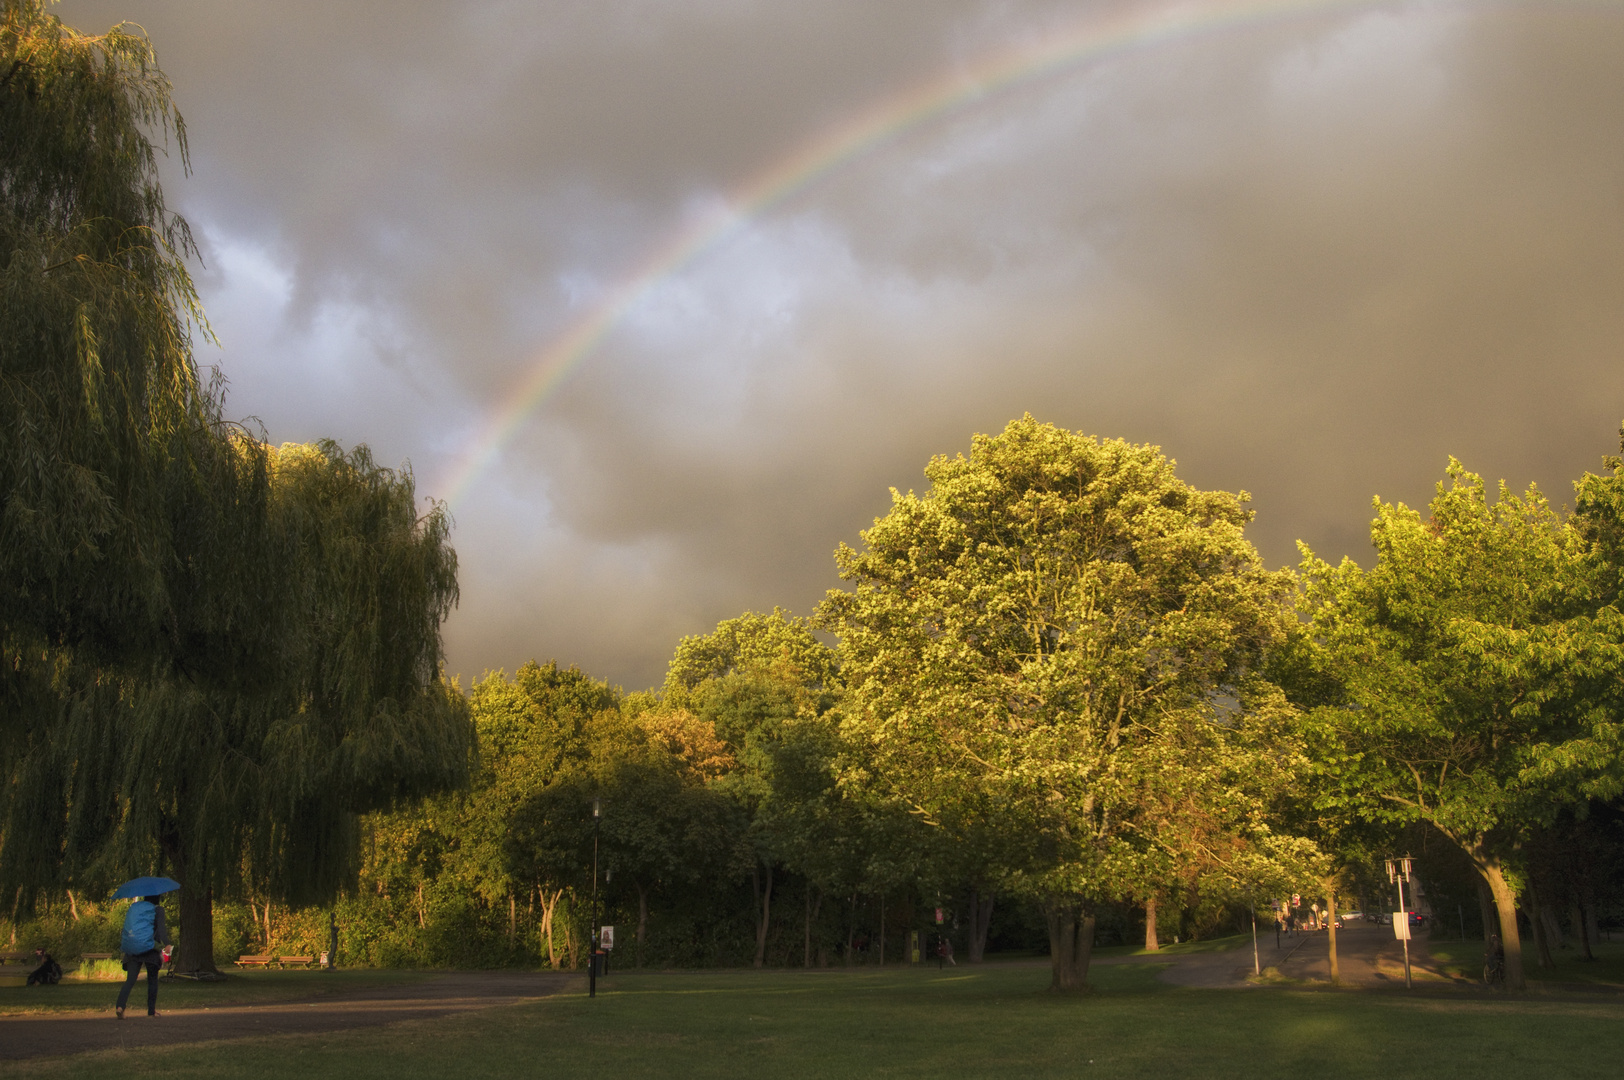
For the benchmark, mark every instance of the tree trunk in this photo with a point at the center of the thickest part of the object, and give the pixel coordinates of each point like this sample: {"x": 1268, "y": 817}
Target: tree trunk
{"x": 1505, "y": 905}
{"x": 806, "y": 956}
{"x": 1576, "y": 916}
{"x": 1592, "y": 923}
{"x": 73, "y": 905}
{"x": 817, "y": 906}
{"x": 547, "y": 910}
{"x": 1071, "y": 945}
{"x": 1151, "y": 944}
{"x": 980, "y": 923}
{"x": 194, "y": 944}
{"x": 851, "y": 928}
{"x": 1330, "y": 913}
{"x": 882, "y": 929}
{"x": 1553, "y": 925}
{"x": 1539, "y": 921}
{"x": 764, "y": 898}
{"x": 1542, "y": 946}
{"x": 1485, "y": 909}
{"x": 513, "y": 918}
{"x": 642, "y": 919}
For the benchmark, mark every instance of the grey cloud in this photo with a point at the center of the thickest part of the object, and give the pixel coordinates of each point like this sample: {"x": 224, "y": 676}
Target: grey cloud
{"x": 1309, "y": 257}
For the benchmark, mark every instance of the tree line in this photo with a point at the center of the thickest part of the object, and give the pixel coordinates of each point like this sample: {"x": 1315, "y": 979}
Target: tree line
{"x": 1060, "y": 696}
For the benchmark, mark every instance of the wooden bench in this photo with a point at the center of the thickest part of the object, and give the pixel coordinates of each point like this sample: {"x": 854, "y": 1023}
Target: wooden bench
{"x": 98, "y": 956}
{"x": 15, "y": 957}
{"x": 255, "y": 961}
{"x": 302, "y": 961}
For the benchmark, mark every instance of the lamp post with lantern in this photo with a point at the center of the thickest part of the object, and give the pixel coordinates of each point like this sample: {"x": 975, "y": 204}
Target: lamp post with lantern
{"x": 1398, "y": 872}
{"x": 592, "y": 958}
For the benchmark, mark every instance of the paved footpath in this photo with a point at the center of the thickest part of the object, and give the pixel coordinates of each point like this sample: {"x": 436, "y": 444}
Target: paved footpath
{"x": 1367, "y": 956}
{"x": 75, "y": 1033}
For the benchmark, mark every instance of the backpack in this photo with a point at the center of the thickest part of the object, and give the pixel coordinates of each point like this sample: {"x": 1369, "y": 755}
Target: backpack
{"x": 139, "y": 923}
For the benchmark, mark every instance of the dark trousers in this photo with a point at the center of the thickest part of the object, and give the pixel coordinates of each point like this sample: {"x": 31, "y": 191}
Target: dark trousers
{"x": 152, "y": 984}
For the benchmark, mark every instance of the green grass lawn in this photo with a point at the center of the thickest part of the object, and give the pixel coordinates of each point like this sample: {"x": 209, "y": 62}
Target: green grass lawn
{"x": 249, "y": 987}
{"x": 1465, "y": 958}
{"x": 996, "y": 1021}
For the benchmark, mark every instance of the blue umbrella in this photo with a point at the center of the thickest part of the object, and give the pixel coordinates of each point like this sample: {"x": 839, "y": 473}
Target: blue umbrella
{"x": 145, "y": 886}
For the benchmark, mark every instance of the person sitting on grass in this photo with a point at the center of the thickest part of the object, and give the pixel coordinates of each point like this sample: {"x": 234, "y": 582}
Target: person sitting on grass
{"x": 144, "y": 931}
{"x": 48, "y": 973}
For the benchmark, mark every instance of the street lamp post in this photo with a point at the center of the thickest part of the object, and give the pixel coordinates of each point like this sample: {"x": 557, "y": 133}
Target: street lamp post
{"x": 1398, "y": 871}
{"x": 592, "y": 959}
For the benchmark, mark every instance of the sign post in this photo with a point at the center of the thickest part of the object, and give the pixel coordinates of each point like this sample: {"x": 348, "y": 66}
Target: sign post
{"x": 1398, "y": 870}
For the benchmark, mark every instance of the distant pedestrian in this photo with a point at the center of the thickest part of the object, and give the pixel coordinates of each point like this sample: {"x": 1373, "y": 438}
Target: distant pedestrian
{"x": 947, "y": 950}
{"x": 47, "y": 972}
{"x": 144, "y": 931}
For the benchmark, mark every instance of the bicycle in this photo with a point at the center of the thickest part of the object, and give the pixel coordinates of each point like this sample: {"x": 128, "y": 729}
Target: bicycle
{"x": 1494, "y": 966}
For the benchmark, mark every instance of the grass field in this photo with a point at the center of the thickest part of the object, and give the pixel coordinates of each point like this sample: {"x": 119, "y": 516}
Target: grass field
{"x": 1465, "y": 958}
{"x": 997, "y": 1021}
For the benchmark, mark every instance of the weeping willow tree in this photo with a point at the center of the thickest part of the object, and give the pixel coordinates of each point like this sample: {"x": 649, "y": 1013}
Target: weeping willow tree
{"x": 217, "y": 653}
{"x": 96, "y": 307}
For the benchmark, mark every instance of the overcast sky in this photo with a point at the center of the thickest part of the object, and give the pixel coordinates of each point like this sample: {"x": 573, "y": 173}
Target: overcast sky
{"x": 1310, "y": 255}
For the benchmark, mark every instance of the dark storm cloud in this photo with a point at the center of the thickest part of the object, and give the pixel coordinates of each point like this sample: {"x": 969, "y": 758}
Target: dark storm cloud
{"x": 1310, "y": 258}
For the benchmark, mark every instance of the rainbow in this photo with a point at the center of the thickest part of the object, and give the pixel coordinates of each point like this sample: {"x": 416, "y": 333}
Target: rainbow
{"x": 1089, "y": 38}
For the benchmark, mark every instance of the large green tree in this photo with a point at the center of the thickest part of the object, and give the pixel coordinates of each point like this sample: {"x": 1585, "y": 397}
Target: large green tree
{"x": 216, "y": 653}
{"x": 1029, "y": 642}
{"x": 1473, "y": 674}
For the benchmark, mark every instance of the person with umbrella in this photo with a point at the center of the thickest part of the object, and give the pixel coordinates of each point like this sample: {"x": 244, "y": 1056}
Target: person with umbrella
{"x": 144, "y": 930}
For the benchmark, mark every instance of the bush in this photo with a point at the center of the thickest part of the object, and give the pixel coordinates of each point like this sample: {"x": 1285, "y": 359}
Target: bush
{"x": 97, "y": 971}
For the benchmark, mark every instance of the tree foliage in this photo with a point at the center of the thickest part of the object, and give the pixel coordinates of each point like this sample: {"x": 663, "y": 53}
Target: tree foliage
{"x": 1058, "y": 637}
{"x": 1474, "y": 672}
{"x": 98, "y": 392}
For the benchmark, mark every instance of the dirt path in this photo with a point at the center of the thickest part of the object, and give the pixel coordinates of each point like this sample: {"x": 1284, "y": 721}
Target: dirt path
{"x": 37, "y": 1036}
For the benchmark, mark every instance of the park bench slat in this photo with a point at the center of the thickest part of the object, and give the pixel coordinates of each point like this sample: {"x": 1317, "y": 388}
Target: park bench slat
{"x": 254, "y": 961}
{"x": 97, "y": 956}
{"x": 306, "y": 961}
{"x": 17, "y": 957}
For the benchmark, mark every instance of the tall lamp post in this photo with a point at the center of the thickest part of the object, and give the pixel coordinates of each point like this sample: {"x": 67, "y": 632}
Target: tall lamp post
{"x": 1251, "y": 904}
{"x": 1398, "y": 871}
{"x": 592, "y": 959}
